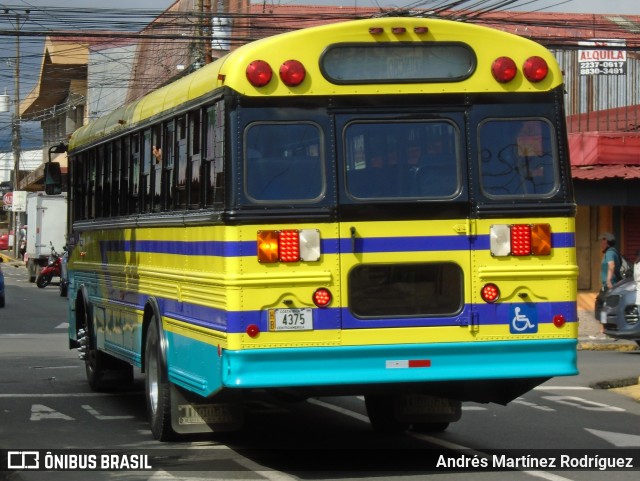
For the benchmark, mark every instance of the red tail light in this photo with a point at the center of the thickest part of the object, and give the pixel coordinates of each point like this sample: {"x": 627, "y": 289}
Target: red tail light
{"x": 504, "y": 69}
{"x": 559, "y": 320}
{"x": 490, "y": 293}
{"x": 289, "y": 246}
{"x": 322, "y": 297}
{"x": 292, "y": 73}
{"x": 259, "y": 73}
{"x": 535, "y": 69}
{"x": 521, "y": 240}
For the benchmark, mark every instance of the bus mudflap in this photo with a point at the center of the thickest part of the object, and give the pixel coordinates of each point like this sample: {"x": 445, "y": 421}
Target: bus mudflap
{"x": 191, "y": 414}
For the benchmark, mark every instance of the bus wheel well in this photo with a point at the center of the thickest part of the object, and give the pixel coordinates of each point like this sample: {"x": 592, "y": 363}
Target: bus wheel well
{"x": 81, "y": 311}
{"x": 150, "y": 312}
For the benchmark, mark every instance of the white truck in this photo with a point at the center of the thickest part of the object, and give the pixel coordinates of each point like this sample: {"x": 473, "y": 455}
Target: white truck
{"x": 46, "y": 227}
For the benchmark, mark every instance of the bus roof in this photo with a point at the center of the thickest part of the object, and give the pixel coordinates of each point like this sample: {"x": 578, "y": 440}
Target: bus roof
{"x": 308, "y": 47}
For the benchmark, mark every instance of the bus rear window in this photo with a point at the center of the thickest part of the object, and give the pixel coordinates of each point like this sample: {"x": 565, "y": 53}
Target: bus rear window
{"x": 517, "y": 158}
{"x": 284, "y": 162}
{"x": 402, "y": 160}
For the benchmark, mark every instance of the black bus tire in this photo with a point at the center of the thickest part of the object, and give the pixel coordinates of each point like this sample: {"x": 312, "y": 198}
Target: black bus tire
{"x": 380, "y": 409}
{"x": 156, "y": 386}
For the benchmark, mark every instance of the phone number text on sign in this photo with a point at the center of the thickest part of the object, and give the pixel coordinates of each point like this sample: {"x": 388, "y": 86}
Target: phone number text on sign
{"x": 603, "y": 68}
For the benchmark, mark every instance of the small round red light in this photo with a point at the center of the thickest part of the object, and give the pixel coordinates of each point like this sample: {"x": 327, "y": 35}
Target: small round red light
{"x": 535, "y": 69}
{"x": 490, "y": 293}
{"x": 253, "y": 330}
{"x": 376, "y": 30}
{"x": 292, "y": 73}
{"x": 559, "y": 320}
{"x": 420, "y": 29}
{"x": 322, "y": 297}
{"x": 398, "y": 30}
{"x": 504, "y": 69}
{"x": 259, "y": 73}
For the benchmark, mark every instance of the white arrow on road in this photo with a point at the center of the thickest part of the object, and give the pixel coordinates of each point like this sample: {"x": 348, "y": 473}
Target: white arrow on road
{"x": 620, "y": 440}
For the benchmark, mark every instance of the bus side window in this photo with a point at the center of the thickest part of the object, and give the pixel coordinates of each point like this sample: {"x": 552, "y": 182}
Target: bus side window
{"x": 165, "y": 172}
{"x": 80, "y": 173}
{"x": 180, "y": 195}
{"x": 123, "y": 176}
{"x": 214, "y": 156}
{"x": 159, "y": 157}
{"x": 90, "y": 166}
{"x": 134, "y": 175}
{"x": 194, "y": 162}
{"x": 145, "y": 175}
{"x": 106, "y": 180}
{"x": 99, "y": 181}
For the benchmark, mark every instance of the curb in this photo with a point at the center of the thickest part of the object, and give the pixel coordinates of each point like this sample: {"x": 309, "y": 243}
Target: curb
{"x": 606, "y": 345}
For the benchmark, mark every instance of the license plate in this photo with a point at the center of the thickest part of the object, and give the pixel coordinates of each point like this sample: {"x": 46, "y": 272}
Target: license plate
{"x": 603, "y": 317}
{"x": 291, "y": 319}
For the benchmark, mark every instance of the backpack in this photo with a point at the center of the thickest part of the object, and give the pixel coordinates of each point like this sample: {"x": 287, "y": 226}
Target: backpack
{"x": 626, "y": 269}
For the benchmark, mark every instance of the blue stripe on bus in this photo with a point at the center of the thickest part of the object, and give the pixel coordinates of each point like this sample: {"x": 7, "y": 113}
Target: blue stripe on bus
{"x": 328, "y": 246}
{"x": 341, "y": 318}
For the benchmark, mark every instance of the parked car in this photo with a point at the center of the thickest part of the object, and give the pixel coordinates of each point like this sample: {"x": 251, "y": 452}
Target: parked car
{"x": 620, "y": 312}
{"x": 4, "y": 242}
{"x": 1, "y": 284}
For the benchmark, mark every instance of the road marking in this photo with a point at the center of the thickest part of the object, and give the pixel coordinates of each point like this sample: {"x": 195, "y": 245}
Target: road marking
{"x": 40, "y": 412}
{"x": 338, "y": 409}
{"x": 583, "y": 403}
{"x": 531, "y": 405}
{"x": 58, "y": 395}
{"x": 101, "y": 417}
{"x": 55, "y": 367}
{"x": 64, "y": 325}
{"x": 620, "y": 440}
{"x": 562, "y": 388}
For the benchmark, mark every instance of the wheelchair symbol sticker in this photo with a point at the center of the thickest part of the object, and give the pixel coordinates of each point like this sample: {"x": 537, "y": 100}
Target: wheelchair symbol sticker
{"x": 524, "y": 319}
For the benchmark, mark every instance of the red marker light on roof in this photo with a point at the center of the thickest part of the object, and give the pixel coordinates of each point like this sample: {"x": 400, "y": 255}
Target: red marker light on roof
{"x": 376, "y": 30}
{"x": 399, "y": 30}
{"x": 504, "y": 69}
{"x": 259, "y": 73}
{"x": 535, "y": 69}
{"x": 420, "y": 30}
{"x": 292, "y": 73}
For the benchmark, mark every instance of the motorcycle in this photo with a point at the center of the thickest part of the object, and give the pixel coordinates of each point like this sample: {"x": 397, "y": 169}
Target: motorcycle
{"x": 53, "y": 268}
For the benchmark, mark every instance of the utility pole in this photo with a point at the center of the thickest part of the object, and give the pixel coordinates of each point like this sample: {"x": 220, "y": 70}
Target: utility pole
{"x": 16, "y": 138}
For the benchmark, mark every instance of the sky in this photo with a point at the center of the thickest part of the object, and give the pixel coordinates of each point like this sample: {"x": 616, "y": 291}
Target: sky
{"x": 31, "y": 46}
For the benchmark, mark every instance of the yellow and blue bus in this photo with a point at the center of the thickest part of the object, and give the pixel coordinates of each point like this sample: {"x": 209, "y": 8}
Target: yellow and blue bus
{"x": 378, "y": 207}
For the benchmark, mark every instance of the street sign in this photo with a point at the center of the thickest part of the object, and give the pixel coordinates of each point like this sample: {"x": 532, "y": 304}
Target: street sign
{"x": 7, "y": 199}
{"x": 19, "y": 201}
